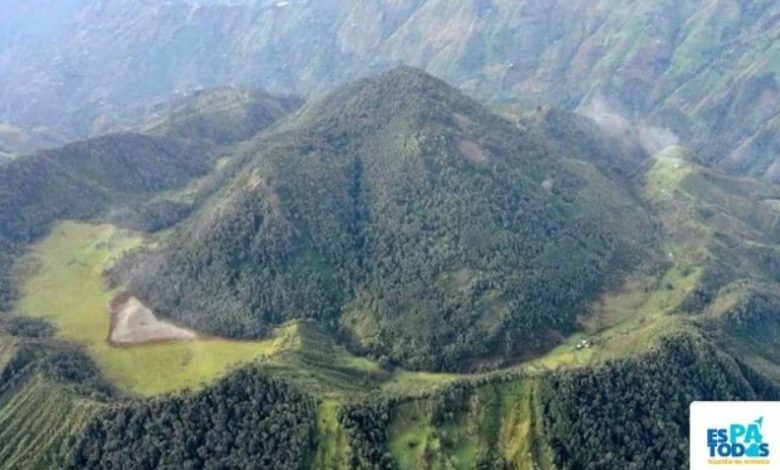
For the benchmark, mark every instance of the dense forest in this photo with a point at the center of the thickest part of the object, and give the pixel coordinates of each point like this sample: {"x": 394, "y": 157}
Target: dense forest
{"x": 83, "y": 180}
{"x": 633, "y": 413}
{"x": 425, "y": 229}
{"x": 244, "y": 421}
{"x": 366, "y": 427}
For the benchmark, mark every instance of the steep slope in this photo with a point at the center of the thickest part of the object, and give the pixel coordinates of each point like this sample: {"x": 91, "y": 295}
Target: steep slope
{"x": 427, "y": 229}
{"x": 719, "y": 229}
{"x": 721, "y": 242}
{"x": 705, "y": 69}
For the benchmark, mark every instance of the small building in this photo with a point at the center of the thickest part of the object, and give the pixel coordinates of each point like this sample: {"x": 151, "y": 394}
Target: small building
{"x": 584, "y": 344}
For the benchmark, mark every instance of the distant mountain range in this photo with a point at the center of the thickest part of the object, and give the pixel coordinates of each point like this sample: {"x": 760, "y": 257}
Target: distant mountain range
{"x": 703, "y": 72}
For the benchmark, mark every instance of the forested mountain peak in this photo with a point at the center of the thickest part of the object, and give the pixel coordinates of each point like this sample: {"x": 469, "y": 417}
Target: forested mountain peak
{"x": 409, "y": 218}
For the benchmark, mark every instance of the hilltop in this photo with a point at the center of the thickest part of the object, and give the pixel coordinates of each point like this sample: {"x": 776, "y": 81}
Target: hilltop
{"x": 397, "y": 211}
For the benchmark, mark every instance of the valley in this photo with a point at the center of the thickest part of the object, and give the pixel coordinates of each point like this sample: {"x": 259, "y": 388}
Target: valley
{"x": 67, "y": 290}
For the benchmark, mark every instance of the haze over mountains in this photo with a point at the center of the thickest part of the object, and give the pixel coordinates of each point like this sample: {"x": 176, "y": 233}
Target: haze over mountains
{"x": 679, "y": 69}
{"x": 564, "y": 220}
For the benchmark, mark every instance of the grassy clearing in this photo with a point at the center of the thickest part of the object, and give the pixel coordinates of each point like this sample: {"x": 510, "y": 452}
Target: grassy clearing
{"x": 412, "y": 383}
{"x": 499, "y": 420}
{"x": 624, "y": 322}
{"x": 67, "y": 289}
{"x": 63, "y": 284}
{"x": 332, "y": 447}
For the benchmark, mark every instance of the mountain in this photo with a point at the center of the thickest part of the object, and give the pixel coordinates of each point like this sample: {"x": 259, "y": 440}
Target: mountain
{"x": 702, "y": 72}
{"x": 407, "y": 216}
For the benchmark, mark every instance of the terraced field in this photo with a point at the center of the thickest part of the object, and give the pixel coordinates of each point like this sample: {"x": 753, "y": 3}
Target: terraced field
{"x": 36, "y": 418}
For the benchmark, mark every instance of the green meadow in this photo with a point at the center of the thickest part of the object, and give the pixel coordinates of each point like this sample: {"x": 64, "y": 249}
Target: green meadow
{"x": 65, "y": 286}
{"x": 63, "y": 283}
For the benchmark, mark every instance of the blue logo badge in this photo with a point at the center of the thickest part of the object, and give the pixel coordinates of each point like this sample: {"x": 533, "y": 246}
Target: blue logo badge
{"x": 738, "y": 440}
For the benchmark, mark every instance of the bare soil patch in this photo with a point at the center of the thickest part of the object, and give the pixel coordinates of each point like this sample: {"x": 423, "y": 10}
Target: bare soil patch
{"x": 472, "y": 151}
{"x": 133, "y": 323}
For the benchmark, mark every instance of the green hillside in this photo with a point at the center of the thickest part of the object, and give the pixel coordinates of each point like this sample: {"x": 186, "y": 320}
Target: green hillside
{"x": 628, "y": 413}
{"x": 425, "y": 229}
{"x": 123, "y": 175}
{"x": 722, "y": 236}
{"x": 49, "y": 390}
{"x": 38, "y": 418}
{"x": 219, "y": 116}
